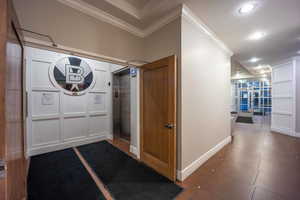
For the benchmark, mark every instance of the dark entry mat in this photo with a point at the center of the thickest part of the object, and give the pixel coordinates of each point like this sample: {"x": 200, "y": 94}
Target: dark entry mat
{"x": 125, "y": 177}
{"x": 247, "y": 120}
{"x": 60, "y": 176}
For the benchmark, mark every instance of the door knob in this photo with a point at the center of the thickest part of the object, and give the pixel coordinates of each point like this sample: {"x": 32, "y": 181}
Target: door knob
{"x": 2, "y": 169}
{"x": 169, "y": 126}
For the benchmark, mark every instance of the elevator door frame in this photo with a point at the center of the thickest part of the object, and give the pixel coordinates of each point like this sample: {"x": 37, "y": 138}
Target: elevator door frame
{"x": 113, "y": 104}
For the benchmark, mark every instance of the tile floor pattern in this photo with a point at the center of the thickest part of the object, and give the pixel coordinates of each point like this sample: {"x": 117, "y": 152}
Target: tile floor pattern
{"x": 257, "y": 165}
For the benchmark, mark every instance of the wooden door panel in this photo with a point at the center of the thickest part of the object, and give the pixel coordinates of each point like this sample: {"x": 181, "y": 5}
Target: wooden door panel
{"x": 155, "y": 99}
{"x": 158, "y": 108}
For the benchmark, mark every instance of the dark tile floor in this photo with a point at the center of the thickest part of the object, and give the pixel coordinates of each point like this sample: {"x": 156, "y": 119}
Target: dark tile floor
{"x": 257, "y": 165}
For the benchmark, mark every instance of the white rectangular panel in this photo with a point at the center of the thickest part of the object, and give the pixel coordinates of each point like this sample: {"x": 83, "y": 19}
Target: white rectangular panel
{"x": 283, "y": 105}
{"x": 283, "y": 122}
{"x": 45, "y": 132}
{"x": 283, "y": 73}
{"x": 40, "y": 74}
{"x": 97, "y": 102}
{"x": 98, "y": 125}
{"x": 283, "y": 89}
{"x": 74, "y": 128}
{"x": 45, "y": 103}
{"x": 74, "y": 104}
{"x": 101, "y": 81}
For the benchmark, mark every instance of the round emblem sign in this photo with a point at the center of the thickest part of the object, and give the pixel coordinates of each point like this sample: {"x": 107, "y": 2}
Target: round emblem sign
{"x": 73, "y": 75}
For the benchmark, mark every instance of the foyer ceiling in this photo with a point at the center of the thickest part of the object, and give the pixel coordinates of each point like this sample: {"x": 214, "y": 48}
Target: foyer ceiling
{"x": 278, "y": 19}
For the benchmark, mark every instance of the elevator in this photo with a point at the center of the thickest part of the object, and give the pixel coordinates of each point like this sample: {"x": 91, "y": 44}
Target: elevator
{"x": 121, "y": 105}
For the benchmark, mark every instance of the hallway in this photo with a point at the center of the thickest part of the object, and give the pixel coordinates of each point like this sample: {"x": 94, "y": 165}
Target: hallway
{"x": 257, "y": 165}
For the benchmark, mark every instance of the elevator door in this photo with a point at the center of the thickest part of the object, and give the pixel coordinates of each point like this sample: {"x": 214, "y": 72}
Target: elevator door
{"x": 122, "y": 105}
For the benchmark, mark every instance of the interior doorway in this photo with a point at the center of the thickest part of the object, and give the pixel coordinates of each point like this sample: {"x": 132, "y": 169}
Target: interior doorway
{"x": 252, "y": 99}
{"x": 121, "y": 105}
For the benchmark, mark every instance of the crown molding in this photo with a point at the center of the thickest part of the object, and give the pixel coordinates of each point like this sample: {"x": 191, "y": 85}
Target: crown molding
{"x": 108, "y": 18}
{"x": 190, "y": 16}
{"x": 163, "y": 21}
{"x": 102, "y": 15}
{"x": 126, "y": 7}
{"x": 183, "y": 11}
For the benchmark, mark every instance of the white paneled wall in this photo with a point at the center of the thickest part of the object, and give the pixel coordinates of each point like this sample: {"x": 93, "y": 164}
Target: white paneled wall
{"x": 284, "y": 98}
{"x": 66, "y": 120}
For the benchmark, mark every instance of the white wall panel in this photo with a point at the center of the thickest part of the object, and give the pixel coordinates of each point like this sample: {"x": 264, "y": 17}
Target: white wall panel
{"x": 45, "y": 132}
{"x": 56, "y": 120}
{"x": 97, "y": 103}
{"x": 282, "y": 105}
{"x": 40, "y": 74}
{"x": 284, "y": 89}
{"x": 74, "y": 128}
{"x": 283, "y": 98}
{"x": 74, "y": 104}
{"x": 101, "y": 81}
{"x": 45, "y": 103}
{"x": 282, "y": 122}
{"x": 98, "y": 125}
{"x": 283, "y": 72}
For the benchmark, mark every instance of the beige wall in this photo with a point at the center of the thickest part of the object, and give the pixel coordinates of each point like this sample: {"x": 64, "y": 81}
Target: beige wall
{"x": 163, "y": 42}
{"x": 205, "y": 95}
{"x": 74, "y": 29}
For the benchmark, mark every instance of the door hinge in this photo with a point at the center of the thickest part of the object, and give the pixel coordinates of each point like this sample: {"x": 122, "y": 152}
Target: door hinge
{"x": 2, "y": 169}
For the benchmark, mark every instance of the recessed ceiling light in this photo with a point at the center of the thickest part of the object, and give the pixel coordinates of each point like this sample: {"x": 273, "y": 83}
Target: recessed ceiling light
{"x": 298, "y": 52}
{"x": 257, "y": 35}
{"x": 254, "y": 60}
{"x": 247, "y": 8}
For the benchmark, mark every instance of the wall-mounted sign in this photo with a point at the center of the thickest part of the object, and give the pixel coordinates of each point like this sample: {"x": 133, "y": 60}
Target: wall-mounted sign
{"x": 133, "y": 71}
{"x": 73, "y": 75}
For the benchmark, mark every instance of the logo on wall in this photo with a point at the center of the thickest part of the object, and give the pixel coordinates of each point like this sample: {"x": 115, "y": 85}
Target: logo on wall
{"x": 73, "y": 75}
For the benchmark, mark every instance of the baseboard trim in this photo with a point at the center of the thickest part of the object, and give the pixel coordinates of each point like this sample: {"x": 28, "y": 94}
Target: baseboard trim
{"x": 133, "y": 150}
{"x": 183, "y": 174}
{"x": 110, "y": 136}
{"x": 61, "y": 146}
{"x": 284, "y": 131}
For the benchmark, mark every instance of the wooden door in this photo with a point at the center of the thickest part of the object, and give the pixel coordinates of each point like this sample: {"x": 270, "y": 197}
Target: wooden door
{"x": 158, "y": 116}
{"x": 12, "y": 180}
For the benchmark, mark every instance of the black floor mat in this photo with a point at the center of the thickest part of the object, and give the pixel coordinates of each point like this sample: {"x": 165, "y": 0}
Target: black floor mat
{"x": 247, "y": 120}
{"x": 60, "y": 176}
{"x": 125, "y": 177}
